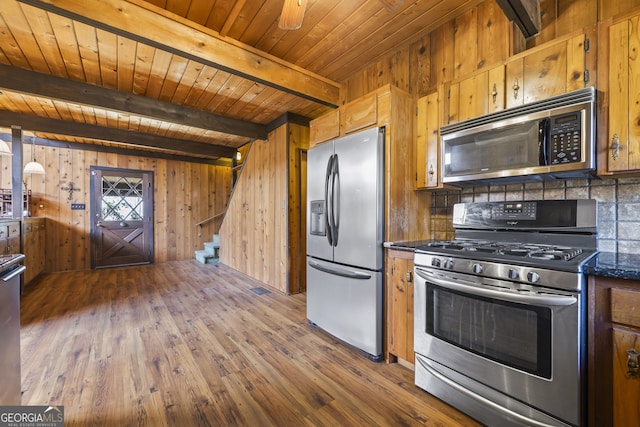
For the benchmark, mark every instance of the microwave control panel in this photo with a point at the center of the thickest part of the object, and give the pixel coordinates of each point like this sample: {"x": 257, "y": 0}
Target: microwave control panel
{"x": 565, "y": 138}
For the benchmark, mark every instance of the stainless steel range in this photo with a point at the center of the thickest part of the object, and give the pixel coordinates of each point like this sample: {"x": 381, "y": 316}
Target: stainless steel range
{"x": 500, "y": 312}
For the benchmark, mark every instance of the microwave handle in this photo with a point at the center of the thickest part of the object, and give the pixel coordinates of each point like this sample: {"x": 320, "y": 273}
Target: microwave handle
{"x": 543, "y": 142}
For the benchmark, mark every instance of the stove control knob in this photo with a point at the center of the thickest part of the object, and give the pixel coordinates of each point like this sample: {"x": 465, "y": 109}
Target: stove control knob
{"x": 435, "y": 262}
{"x": 477, "y": 268}
{"x": 513, "y": 274}
{"x": 533, "y": 277}
{"x": 448, "y": 264}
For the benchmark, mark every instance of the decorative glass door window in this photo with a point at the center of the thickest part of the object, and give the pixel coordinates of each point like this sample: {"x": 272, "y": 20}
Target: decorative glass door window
{"x": 122, "y": 198}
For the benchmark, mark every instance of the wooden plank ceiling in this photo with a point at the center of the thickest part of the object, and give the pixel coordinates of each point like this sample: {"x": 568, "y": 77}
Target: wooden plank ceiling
{"x": 193, "y": 77}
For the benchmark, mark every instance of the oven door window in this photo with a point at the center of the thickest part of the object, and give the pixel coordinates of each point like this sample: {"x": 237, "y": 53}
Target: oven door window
{"x": 512, "y": 334}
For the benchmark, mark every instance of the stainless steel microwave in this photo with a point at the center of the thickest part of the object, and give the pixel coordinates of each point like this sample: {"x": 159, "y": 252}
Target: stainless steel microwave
{"x": 549, "y": 139}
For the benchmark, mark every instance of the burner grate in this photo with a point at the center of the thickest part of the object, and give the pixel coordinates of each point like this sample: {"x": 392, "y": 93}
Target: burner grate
{"x": 524, "y": 250}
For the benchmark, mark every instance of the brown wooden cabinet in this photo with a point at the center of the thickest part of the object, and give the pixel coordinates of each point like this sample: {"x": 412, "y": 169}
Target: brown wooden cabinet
{"x": 476, "y": 95}
{"x": 399, "y": 297}
{"x": 620, "y": 151}
{"x": 550, "y": 69}
{"x": 9, "y": 237}
{"x": 34, "y": 247}
{"x": 614, "y": 352}
{"x": 428, "y": 142}
{"x": 324, "y": 128}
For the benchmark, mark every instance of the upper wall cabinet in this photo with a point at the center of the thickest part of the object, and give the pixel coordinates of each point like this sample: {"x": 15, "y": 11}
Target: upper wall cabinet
{"x": 325, "y": 127}
{"x": 427, "y": 147}
{"x": 477, "y": 95}
{"x": 620, "y": 151}
{"x": 370, "y": 110}
{"x": 551, "y": 69}
{"x": 427, "y": 142}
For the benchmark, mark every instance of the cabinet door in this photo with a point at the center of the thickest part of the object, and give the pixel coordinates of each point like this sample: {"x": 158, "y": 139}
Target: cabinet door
{"x": 400, "y": 309}
{"x": 474, "y": 97}
{"x": 427, "y": 142}
{"x": 554, "y": 69}
{"x": 480, "y": 94}
{"x": 623, "y": 153}
{"x": 360, "y": 113}
{"x": 324, "y": 128}
{"x": 626, "y": 385}
{"x": 497, "y": 89}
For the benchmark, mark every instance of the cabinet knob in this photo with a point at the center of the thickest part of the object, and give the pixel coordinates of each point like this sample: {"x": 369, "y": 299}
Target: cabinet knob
{"x": 431, "y": 171}
{"x": 494, "y": 93}
{"x": 633, "y": 364}
{"x": 409, "y": 276}
{"x": 516, "y": 88}
{"x": 615, "y": 146}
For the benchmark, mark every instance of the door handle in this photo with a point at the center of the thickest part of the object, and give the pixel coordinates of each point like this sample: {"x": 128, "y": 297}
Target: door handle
{"x": 633, "y": 364}
{"x": 99, "y": 224}
{"x": 123, "y": 224}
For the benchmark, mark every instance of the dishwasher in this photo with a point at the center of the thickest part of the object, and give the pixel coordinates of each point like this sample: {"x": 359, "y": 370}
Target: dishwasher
{"x": 11, "y": 268}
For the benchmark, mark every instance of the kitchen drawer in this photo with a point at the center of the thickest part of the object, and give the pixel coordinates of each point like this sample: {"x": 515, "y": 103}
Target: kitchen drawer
{"x": 625, "y": 307}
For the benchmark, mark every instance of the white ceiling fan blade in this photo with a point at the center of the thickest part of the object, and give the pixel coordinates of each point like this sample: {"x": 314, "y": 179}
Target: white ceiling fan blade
{"x": 292, "y": 14}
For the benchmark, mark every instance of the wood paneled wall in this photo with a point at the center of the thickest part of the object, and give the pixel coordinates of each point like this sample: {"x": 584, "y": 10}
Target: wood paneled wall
{"x": 263, "y": 232}
{"x": 478, "y": 39}
{"x": 184, "y": 194}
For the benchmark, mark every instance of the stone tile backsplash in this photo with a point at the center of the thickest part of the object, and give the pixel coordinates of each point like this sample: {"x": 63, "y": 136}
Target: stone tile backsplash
{"x": 618, "y": 206}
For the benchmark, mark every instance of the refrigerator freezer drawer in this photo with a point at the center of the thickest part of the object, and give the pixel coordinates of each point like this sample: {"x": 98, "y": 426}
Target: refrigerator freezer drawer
{"x": 347, "y": 303}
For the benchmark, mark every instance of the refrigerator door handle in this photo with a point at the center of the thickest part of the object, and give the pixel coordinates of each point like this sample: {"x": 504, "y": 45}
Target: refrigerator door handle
{"x": 336, "y": 201}
{"x": 339, "y": 271}
{"x": 328, "y": 207}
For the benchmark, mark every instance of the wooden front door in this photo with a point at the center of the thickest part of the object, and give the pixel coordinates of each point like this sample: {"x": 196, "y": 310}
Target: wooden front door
{"x": 122, "y": 217}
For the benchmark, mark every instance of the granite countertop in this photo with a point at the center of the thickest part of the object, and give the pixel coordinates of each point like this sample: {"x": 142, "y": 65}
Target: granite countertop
{"x": 614, "y": 265}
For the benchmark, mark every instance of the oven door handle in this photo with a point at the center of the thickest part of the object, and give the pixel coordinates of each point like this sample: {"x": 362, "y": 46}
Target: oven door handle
{"x": 13, "y": 273}
{"x": 477, "y": 397}
{"x": 545, "y": 300}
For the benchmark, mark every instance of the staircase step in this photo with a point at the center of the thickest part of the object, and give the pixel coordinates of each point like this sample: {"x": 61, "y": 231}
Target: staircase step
{"x": 212, "y": 248}
{"x": 206, "y": 257}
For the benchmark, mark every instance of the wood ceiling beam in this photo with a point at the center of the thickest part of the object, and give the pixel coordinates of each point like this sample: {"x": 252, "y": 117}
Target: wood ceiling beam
{"x": 525, "y": 13}
{"x": 135, "y": 20}
{"x": 45, "y": 142}
{"x": 44, "y": 85}
{"x": 82, "y": 130}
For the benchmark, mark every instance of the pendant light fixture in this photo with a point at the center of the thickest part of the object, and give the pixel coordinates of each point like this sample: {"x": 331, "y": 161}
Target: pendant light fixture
{"x": 33, "y": 167}
{"x": 4, "y": 149}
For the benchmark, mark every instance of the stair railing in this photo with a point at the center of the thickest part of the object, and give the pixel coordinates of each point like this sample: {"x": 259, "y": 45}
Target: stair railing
{"x": 208, "y": 220}
{"x": 236, "y": 173}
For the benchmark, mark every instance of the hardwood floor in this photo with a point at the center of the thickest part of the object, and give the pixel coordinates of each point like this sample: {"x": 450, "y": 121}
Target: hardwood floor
{"x": 186, "y": 344}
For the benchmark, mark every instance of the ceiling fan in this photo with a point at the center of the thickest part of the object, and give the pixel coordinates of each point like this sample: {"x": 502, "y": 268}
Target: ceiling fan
{"x": 293, "y": 12}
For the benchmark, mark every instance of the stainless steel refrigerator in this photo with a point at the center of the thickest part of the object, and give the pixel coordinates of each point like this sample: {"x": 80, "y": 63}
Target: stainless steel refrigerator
{"x": 345, "y": 232}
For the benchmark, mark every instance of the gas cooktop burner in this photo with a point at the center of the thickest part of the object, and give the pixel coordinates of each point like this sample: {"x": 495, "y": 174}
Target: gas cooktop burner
{"x": 544, "y": 252}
